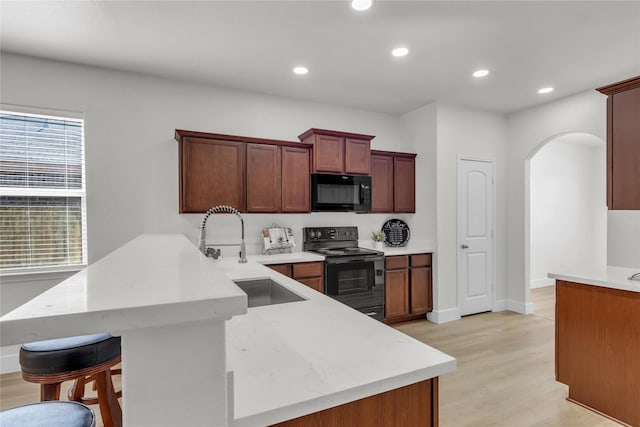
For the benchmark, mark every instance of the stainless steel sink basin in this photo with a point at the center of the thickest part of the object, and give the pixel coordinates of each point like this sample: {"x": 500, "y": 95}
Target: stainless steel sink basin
{"x": 266, "y": 292}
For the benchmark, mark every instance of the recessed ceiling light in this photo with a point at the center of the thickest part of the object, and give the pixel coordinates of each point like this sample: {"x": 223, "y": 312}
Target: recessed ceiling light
{"x": 481, "y": 73}
{"x": 301, "y": 70}
{"x": 400, "y": 51}
{"x": 545, "y": 90}
{"x": 361, "y": 4}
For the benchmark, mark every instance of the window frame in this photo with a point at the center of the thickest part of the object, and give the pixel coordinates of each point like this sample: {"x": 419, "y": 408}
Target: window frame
{"x": 51, "y": 192}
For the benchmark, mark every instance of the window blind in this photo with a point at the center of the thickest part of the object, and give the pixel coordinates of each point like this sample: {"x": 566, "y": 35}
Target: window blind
{"x": 42, "y": 192}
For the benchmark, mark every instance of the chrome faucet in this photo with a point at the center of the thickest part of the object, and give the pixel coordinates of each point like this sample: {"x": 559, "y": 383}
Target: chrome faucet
{"x": 210, "y": 251}
{"x": 635, "y": 277}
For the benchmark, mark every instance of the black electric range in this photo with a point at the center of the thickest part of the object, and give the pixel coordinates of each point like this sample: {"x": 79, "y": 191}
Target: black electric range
{"x": 352, "y": 275}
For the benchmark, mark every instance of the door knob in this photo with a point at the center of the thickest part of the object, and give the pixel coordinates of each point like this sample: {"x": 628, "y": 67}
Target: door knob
{"x": 463, "y": 246}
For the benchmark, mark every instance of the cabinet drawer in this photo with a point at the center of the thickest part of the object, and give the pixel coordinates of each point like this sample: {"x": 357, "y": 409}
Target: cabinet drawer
{"x": 307, "y": 269}
{"x": 421, "y": 260}
{"x": 396, "y": 262}
{"x": 281, "y": 268}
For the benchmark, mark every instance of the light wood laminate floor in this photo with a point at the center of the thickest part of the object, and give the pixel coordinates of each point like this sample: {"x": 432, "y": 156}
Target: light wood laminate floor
{"x": 505, "y": 374}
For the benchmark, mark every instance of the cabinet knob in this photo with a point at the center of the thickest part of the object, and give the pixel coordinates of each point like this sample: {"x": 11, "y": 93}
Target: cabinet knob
{"x": 463, "y": 246}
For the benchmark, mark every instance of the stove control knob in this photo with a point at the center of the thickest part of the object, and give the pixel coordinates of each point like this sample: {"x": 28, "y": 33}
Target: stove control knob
{"x": 312, "y": 234}
{"x": 318, "y": 234}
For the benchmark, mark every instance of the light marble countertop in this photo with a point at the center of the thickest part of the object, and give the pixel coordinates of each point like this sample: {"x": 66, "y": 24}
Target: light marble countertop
{"x": 413, "y": 247}
{"x": 154, "y": 280}
{"x": 286, "y": 360}
{"x": 293, "y": 359}
{"x": 604, "y": 276}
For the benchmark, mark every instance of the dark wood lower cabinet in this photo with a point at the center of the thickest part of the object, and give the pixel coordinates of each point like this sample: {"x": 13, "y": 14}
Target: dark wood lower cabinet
{"x": 408, "y": 287}
{"x": 410, "y": 406}
{"x": 307, "y": 273}
{"x": 598, "y": 348}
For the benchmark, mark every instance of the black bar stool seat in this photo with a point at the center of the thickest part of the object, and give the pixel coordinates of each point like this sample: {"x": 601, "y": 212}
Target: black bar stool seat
{"x": 49, "y": 414}
{"x": 68, "y": 354}
{"x": 82, "y": 359}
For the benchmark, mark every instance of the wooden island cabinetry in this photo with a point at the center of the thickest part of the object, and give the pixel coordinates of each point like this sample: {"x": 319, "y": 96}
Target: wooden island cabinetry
{"x": 408, "y": 287}
{"x": 339, "y": 152}
{"x": 249, "y": 174}
{"x": 598, "y": 348}
{"x": 393, "y": 182}
{"x": 412, "y": 405}
{"x": 623, "y": 144}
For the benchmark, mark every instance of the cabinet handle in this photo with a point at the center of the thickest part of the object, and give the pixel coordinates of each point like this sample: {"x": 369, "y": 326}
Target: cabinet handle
{"x": 463, "y": 246}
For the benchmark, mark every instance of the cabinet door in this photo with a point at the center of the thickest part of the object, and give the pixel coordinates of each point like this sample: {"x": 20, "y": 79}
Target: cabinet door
{"x": 396, "y": 293}
{"x": 357, "y": 156}
{"x": 404, "y": 184}
{"x": 421, "y": 290}
{"x": 263, "y": 178}
{"x": 314, "y": 283}
{"x": 212, "y": 173}
{"x": 296, "y": 182}
{"x": 381, "y": 183}
{"x": 328, "y": 154}
{"x": 624, "y": 150}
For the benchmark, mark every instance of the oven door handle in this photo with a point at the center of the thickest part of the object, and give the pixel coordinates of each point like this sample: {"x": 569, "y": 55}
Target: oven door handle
{"x": 371, "y": 258}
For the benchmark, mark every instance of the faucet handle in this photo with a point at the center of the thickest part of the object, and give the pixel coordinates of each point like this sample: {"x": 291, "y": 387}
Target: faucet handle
{"x": 213, "y": 253}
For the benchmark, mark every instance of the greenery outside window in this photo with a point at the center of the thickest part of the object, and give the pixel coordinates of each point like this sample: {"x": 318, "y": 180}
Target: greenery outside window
{"x": 42, "y": 193}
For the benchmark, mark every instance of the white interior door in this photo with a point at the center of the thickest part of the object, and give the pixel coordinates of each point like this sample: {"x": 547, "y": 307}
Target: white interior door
{"x": 475, "y": 236}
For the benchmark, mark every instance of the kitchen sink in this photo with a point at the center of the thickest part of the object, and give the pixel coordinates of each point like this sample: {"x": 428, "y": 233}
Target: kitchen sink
{"x": 266, "y": 292}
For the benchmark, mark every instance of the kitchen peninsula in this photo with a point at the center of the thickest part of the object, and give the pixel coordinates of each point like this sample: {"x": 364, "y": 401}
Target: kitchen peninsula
{"x": 183, "y": 359}
{"x": 598, "y": 340}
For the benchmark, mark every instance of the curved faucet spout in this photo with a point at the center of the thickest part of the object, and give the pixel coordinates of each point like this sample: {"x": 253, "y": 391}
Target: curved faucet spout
{"x": 203, "y": 234}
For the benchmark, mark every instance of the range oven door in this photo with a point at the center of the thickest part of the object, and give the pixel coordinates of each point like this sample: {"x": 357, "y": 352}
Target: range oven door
{"x": 356, "y": 281}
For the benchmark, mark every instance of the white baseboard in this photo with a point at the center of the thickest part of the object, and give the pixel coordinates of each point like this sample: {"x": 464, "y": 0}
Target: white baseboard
{"x": 541, "y": 283}
{"x": 520, "y": 307}
{"x": 9, "y": 361}
{"x": 443, "y": 316}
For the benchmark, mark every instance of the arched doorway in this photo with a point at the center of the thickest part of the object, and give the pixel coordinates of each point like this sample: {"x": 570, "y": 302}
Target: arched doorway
{"x": 566, "y": 213}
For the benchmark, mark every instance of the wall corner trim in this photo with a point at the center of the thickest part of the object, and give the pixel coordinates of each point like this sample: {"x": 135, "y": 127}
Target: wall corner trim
{"x": 444, "y": 316}
{"x": 520, "y": 307}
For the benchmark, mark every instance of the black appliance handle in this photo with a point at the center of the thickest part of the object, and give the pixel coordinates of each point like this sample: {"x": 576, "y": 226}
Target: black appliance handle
{"x": 366, "y": 258}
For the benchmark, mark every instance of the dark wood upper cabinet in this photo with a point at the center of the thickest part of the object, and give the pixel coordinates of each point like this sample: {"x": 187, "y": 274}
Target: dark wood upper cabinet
{"x": 263, "y": 178}
{"x": 357, "y": 156}
{"x": 339, "y": 152}
{"x": 404, "y": 184}
{"x": 211, "y": 173}
{"x": 623, "y": 144}
{"x": 328, "y": 154}
{"x": 296, "y": 181}
{"x": 381, "y": 183}
{"x": 250, "y": 174}
{"x": 393, "y": 182}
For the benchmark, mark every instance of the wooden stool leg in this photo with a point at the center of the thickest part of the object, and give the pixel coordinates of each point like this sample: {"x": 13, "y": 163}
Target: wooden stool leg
{"x": 76, "y": 392}
{"x": 49, "y": 392}
{"x": 109, "y": 405}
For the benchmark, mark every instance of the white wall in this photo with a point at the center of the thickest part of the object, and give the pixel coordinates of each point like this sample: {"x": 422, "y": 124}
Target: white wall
{"x": 132, "y": 158}
{"x": 465, "y": 132}
{"x": 568, "y": 210}
{"x": 624, "y": 239}
{"x": 527, "y": 131}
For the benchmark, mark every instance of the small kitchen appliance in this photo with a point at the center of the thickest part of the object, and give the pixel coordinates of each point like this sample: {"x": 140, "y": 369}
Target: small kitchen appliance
{"x": 352, "y": 275}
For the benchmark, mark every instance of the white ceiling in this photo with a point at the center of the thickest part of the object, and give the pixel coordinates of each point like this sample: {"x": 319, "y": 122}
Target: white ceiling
{"x": 572, "y": 46}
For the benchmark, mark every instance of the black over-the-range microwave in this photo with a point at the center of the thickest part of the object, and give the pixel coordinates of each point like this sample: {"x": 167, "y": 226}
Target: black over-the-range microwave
{"x": 340, "y": 193}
